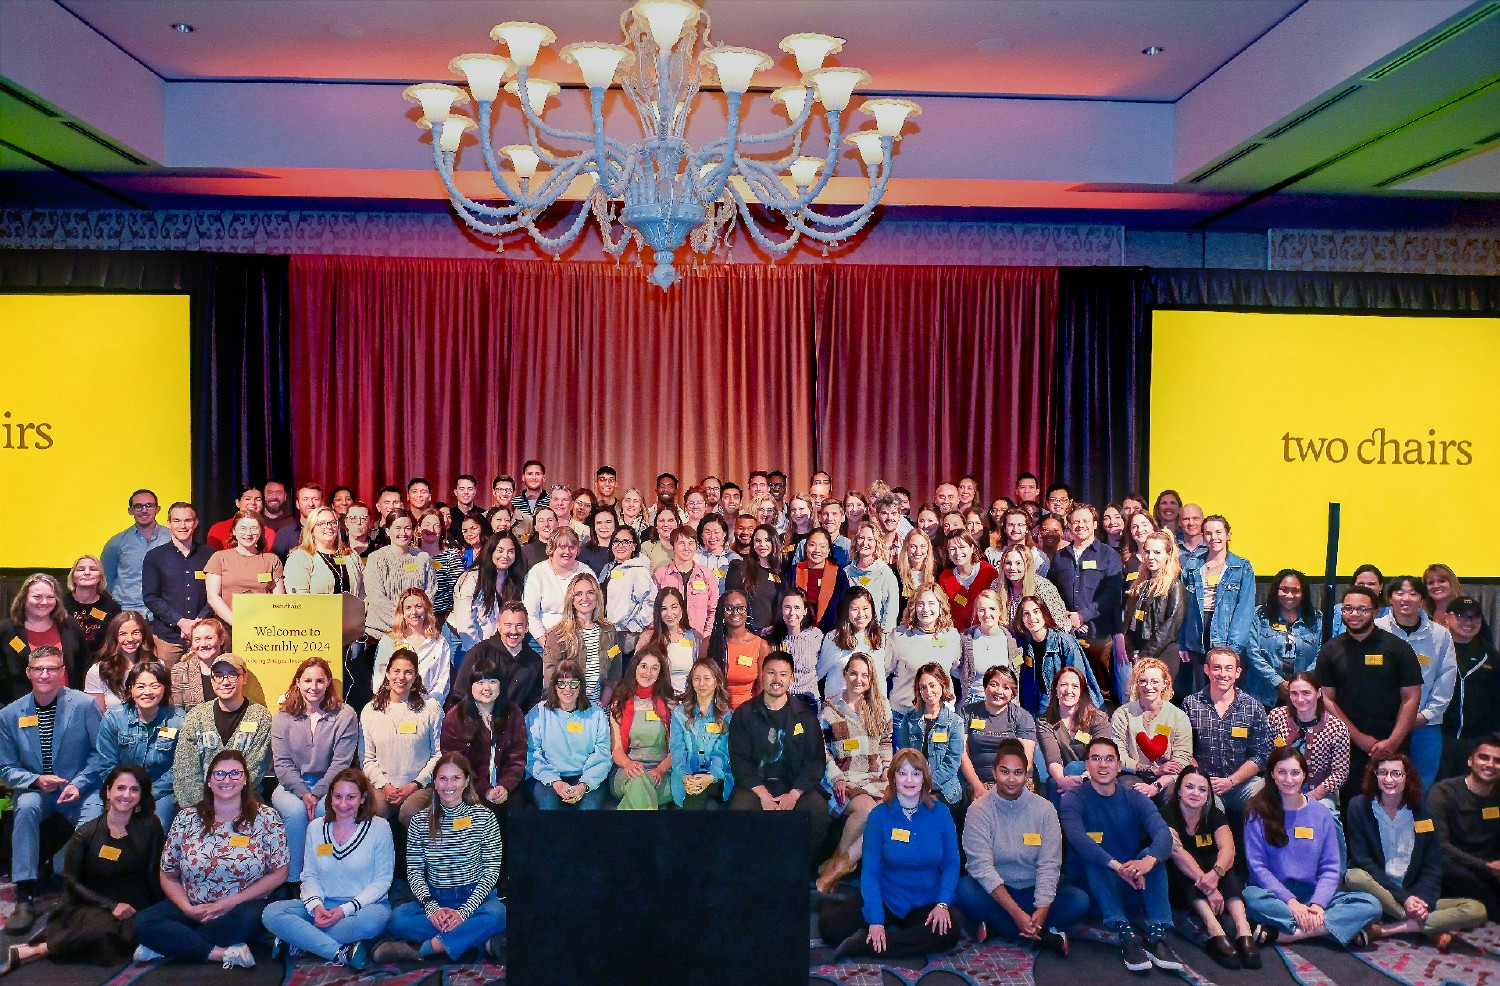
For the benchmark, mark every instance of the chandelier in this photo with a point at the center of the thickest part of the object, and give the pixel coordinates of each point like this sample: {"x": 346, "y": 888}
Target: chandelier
{"x": 658, "y": 191}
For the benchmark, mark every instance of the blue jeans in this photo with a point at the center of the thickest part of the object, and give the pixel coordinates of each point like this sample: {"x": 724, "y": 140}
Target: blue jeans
{"x": 456, "y": 648}
{"x": 1346, "y": 915}
{"x": 410, "y": 922}
{"x": 1067, "y": 909}
{"x": 32, "y": 808}
{"x": 1109, "y": 891}
{"x": 294, "y": 817}
{"x": 1075, "y": 769}
{"x": 289, "y": 921}
{"x": 166, "y": 809}
{"x": 163, "y": 928}
{"x": 546, "y": 799}
{"x": 1236, "y": 798}
{"x": 1427, "y": 752}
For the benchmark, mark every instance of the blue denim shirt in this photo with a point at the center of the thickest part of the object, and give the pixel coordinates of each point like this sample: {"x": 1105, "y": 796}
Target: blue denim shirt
{"x": 123, "y": 558}
{"x": 944, "y": 755}
{"x": 698, "y": 749}
{"x": 1234, "y": 606}
{"x": 1062, "y": 651}
{"x": 1092, "y": 584}
{"x": 1270, "y": 640}
{"x": 123, "y": 739}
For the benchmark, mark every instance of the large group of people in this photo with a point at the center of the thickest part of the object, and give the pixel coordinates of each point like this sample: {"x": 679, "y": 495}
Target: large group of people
{"x": 996, "y": 715}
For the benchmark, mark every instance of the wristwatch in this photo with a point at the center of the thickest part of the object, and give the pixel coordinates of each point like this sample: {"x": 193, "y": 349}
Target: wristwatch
{"x": 1219, "y": 869}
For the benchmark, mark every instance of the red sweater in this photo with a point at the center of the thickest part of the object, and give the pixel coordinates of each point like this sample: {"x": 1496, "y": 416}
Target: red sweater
{"x": 961, "y": 599}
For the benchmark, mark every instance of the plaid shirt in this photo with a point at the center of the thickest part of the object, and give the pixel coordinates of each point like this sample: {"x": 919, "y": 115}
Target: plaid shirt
{"x": 1221, "y": 745}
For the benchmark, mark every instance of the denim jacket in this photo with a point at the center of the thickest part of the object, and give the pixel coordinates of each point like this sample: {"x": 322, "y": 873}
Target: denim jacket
{"x": 1234, "y": 606}
{"x": 1062, "y": 651}
{"x": 701, "y": 747}
{"x": 122, "y": 739}
{"x": 1269, "y": 641}
{"x": 943, "y": 756}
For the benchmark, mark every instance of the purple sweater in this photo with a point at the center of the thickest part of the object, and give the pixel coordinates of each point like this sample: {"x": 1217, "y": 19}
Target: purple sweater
{"x": 1310, "y": 857}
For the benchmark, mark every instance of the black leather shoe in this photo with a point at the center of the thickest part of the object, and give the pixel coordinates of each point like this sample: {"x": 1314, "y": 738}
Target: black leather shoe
{"x": 1249, "y": 951}
{"x": 21, "y": 919}
{"x": 1053, "y": 941}
{"x": 1221, "y": 950}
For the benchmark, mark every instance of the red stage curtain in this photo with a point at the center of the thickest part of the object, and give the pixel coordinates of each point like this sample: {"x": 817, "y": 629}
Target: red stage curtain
{"x": 927, "y": 373}
{"x": 405, "y": 367}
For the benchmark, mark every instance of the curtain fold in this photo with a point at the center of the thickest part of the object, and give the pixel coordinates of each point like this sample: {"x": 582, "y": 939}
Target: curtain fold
{"x": 1325, "y": 291}
{"x": 926, "y": 373}
{"x": 1102, "y": 382}
{"x": 241, "y": 404}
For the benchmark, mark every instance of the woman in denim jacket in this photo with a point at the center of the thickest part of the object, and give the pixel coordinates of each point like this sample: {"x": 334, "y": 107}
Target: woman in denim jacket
{"x": 1221, "y": 604}
{"x": 1284, "y": 639}
{"x": 142, "y": 731}
{"x": 934, "y": 728}
{"x": 699, "y": 740}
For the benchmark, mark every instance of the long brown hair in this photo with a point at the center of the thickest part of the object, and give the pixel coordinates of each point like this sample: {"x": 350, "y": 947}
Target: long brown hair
{"x": 435, "y": 808}
{"x": 1266, "y": 804}
{"x": 1083, "y": 712}
{"x": 295, "y": 705}
{"x": 355, "y": 776}
{"x": 913, "y": 756}
{"x": 249, "y": 801}
{"x": 874, "y": 713}
{"x": 417, "y": 697}
{"x": 624, "y": 692}
{"x": 566, "y": 668}
{"x": 719, "y": 708}
{"x": 843, "y": 636}
{"x": 113, "y": 665}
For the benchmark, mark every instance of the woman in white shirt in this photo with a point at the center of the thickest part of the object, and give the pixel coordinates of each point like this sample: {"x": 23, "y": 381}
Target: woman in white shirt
{"x": 547, "y": 584}
{"x": 416, "y": 630}
{"x": 400, "y": 740}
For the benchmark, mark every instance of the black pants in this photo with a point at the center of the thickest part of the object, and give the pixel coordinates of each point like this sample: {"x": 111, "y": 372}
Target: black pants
{"x": 1458, "y": 881}
{"x": 905, "y": 935}
{"x": 813, "y": 802}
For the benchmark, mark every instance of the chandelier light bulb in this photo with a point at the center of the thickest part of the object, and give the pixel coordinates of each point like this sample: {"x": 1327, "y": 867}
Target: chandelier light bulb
{"x": 834, "y": 86}
{"x": 484, "y": 72}
{"x": 811, "y": 49}
{"x": 805, "y": 169}
{"x": 436, "y": 98}
{"x": 890, "y": 114}
{"x": 454, "y": 129}
{"x": 537, "y": 91}
{"x": 597, "y": 62}
{"x": 868, "y": 144}
{"x": 666, "y": 19}
{"x": 524, "y": 39}
{"x": 793, "y": 98}
{"x": 735, "y": 66}
{"x": 522, "y": 158}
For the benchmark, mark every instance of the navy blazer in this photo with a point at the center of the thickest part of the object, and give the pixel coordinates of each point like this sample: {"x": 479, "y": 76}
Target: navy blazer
{"x": 73, "y": 736}
{"x": 1424, "y": 876}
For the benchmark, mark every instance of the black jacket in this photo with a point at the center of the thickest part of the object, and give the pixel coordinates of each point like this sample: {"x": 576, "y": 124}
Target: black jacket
{"x": 1424, "y": 877}
{"x": 15, "y": 652}
{"x": 750, "y": 732}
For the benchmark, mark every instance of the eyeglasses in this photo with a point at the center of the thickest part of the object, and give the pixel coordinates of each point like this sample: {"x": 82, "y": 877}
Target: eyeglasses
{"x": 228, "y": 775}
{"x": 1393, "y": 774}
{"x": 46, "y": 668}
{"x": 224, "y": 675}
{"x": 568, "y": 683}
{"x": 736, "y": 608}
{"x": 143, "y": 506}
{"x": 1356, "y": 609}
{"x": 627, "y": 542}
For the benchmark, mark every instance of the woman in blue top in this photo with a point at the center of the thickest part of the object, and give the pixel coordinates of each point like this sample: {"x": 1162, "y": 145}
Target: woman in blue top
{"x": 1046, "y": 650}
{"x": 699, "y": 740}
{"x": 142, "y": 731}
{"x": 908, "y": 876}
{"x": 1284, "y": 639}
{"x": 1220, "y": 588}
{"x": 936, "y": 730}
{"x": 567, "y": 746}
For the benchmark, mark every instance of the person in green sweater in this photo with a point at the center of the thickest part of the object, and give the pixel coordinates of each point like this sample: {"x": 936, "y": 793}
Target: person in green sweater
{"x": 229, "y": 722}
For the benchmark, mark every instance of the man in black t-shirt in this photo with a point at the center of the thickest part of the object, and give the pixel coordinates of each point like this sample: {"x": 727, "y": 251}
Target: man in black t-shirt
{"x": 776, "y": 750}
{"x": 1371, "y": 679}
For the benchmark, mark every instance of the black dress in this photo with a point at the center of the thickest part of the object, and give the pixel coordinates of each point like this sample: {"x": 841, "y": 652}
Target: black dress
{"x": 1204, "y": 853}
{"x": 100, "y": 872}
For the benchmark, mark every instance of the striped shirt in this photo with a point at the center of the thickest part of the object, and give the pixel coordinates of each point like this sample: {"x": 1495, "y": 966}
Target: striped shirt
{"x": 466, "y": 853}
{"x": 46, "y": 719}
{"x": 592, "y": 666}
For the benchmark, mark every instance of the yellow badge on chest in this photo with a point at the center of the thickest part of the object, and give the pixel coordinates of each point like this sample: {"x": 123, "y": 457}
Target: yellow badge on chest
{"x": 239, "y": 841}
{"x": 1089, "y": 566}
{"x": 407, "y": 728}
{"x": 27, "y": 722}
{"x": 1490, "y": 814}
{"x": 1302, "y": 832}
{"x": 325, "y": 849}
{"x": 263, "y": 577}
{"x": 16, "y": 645}
{"x": 248, "y": 727}
{"x": 1239, "y": 732}
{"x": 168, "y": 732}
{"x": 745, "y": 661}
{"x": 978, "y": 724}
{"x": 941, "y": 737}
{"x": 97, "y": 613}
{"x": 200, "y": 575}
{"x": 900, "y": 835}
{"x": 1374, "y": 660}
{"x": 1031, "y": 838}
{"x": 1097, "y": 836}
{"x": 1163, "y": 729}
{"x": 961, "y": 600}
{"x": 412, "y": 566}
{"x": 851, "y": 745}
{"x": 111, "y": 853}
{"x": 1203, "y": 840}
{"x": 1082, "y": 736}
{"x": 614, "y": 651}
{"x": 651, "y": 716}
{"x": 462, "y": 822}
{"x": 714, "y": 728}
{"x": 797, "y": 729}
{"x": 575, "y": 727}
{"x": 1422, "y": 825}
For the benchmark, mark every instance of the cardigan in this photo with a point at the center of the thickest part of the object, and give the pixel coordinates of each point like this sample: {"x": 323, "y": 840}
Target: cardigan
{"x": 199, "y": 742}
{"x": 854, "y": 756}
{"x": 508, "y": 750}
{"x": 1424, "y": 874}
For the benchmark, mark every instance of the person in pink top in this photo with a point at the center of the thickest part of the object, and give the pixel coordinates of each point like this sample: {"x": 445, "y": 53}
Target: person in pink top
{"x": 698, "y": 585}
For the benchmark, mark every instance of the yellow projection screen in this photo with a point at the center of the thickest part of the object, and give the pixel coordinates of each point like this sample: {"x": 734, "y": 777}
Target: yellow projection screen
{"x": 1267, "y": 417}
{"x": 96, "y": 404}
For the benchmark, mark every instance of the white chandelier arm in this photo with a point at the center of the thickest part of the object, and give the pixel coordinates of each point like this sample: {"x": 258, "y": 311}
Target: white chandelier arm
{"x": 487, "y": 148}
{"x": 769, "y": 189}
{"x": 766, "y": 243}
{"x": 609, "y": 173}
{"x": 445, "y": 160}
{"x": 877, "y": 191}
{"x": 792, "y": 130}
{"x": 536, "y": 121}
{"x": 554, "y": 243}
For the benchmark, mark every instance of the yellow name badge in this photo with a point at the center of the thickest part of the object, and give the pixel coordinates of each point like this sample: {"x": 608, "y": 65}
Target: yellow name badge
{"x": 325, "y": 849}
{"x": 16, "y": 645}
{"x": 851, "y": 745}
{"x": 437, "y": 566}
{"x": 97, "y": 613}
{"x": 699, "y": 585}
{"x": 651, "y": 716}
{"x": 412, "y": 566}
{"x": 900, "y": 835}
{"x": 1031, "y": 838}
{"x": 239, "y": 841}
{"x": 961, "y": 600}
{"x": 1163, "y": 729}
{"x": 462, "y": 822}
{"x": 714, "y": 728}
{"x": 775, "y": 577}
{"x": 1097, "y": 837}
{"x": 1239, "y": 732}
{"x": 168, "y": 732}
{"x": 1203, "y": 841}
{"x": 111, "y": 853}
{"x": 1422, "y": 825}
{"x": 407, "y": 728}
{"x": 797, "y": 729}
{"x": 575, "y": 727}
{"x": 977, "y": 724}
{"x": 1140, "y": 615}
{"x": 248, "y": 727}
{"x": 618, "y": 573}
{"x": 1490, "y": 814}
{"x": 1082, "y": 736}
{"x": 940, "y": 737}
{"x": 263, "y": 577}
{"x": 1089, "y": 566}
{"x": 1132, "y": 576}
{"x": 862, "y": 579}
{"x": 27, "y": 722}
{"x": 1278, "y": 741}
{"x": 614, "y": 651}
{"x": 745, "y": 661}
{"x": 1302, "y": 832}
{"x": 718, "y": 573}
{"x": 1374, "y": 660}
{"x": 200, "y": 575}
{"x": 1423, "y": 660}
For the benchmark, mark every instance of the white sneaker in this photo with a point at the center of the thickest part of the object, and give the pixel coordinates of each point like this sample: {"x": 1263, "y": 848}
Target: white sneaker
{"x": 144, "y": 954}
{"x": 238, "y": 957}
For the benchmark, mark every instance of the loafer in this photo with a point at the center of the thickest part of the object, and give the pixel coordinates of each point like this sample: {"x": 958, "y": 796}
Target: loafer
{"x": 1222, "y": 951}
{"x": 396, "y": 951}
{"x": 1249, "y": 952}
{"x": 21, "y": 919}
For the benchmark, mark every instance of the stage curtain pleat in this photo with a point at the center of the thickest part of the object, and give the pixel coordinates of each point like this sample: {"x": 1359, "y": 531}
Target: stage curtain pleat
{"x": 926, "y": 373}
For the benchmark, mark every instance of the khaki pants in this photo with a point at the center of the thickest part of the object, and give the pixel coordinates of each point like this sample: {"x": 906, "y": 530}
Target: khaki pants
{"x": 168, "y": 654}
{"x": 1449, "y": 914}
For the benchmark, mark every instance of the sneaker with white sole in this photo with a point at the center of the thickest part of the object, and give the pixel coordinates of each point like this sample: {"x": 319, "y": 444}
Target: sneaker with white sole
{"x": 238, "y": 957}
{"x": 144, "y": 954}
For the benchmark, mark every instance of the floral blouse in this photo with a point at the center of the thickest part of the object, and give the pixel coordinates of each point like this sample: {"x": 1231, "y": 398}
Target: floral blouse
{"x": 219, "y": 863}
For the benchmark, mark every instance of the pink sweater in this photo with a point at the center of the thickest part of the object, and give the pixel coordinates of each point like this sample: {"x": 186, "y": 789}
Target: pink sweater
{"x": 702, "y": 592}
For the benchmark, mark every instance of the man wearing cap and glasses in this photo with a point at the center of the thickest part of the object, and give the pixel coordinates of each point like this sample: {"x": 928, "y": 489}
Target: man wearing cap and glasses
{"x": 46, "y": 756}
{"x": 124, "y": 555}
{"x": 1475, "y": 710}
{"x": 230, "y": 721}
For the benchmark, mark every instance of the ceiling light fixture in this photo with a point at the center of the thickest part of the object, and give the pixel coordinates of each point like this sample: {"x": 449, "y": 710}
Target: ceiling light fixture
{"x": 183, "y": 28}
{"x": 1153, "y": 50}
{"x": 660, "y": 190}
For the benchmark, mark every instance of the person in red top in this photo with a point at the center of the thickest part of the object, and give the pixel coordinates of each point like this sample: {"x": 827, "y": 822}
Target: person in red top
{"x": 824, "y": 582}
{"x": 969, "y": 576}
{"x": 221, "y": 535}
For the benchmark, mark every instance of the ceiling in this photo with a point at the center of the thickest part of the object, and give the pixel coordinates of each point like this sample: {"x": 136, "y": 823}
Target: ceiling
{"x": 1256, "y": 113}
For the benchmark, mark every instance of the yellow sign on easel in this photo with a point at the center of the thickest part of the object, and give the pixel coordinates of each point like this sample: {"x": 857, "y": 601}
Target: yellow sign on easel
{"x": 275, "y": 633}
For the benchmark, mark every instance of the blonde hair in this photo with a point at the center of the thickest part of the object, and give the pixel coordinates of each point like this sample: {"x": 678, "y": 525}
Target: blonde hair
{"x": 103, "y": 579}
{"x": 1160, "y": 584}
{"x": 567, "y": 627}
{"x": 909, "y": 578}
{"x": 1143, "y": 665}
{"x": 999, "y": 599}
{"x": 309, "y": 535}
{"x": 874, "y": 712}
{"x": 429, "y": 623}
{"x": 1028, "y": 574}
{"x": 945, "y": 609}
